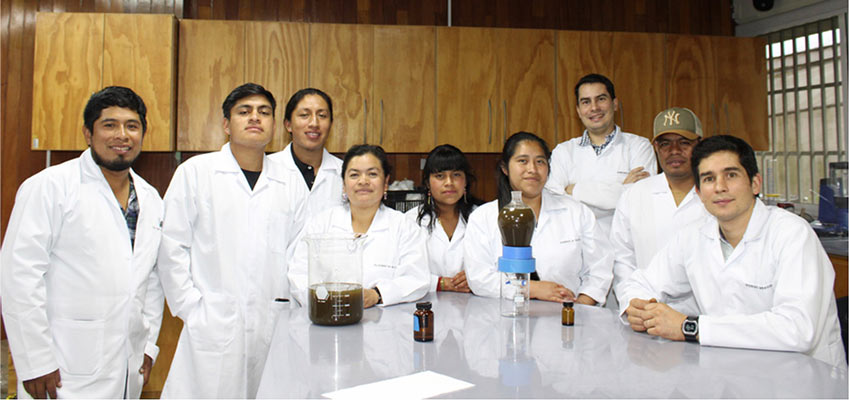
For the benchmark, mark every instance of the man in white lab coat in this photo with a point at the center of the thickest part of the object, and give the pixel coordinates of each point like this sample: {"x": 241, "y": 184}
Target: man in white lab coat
{"x": 81, "y": 302}
{"x": 308, "y": 118}
{"x": 651, "y": 211}
{"x": 596, "y": 167}
{"x": 229, "y": 218}
{"x": 760, "y": 277}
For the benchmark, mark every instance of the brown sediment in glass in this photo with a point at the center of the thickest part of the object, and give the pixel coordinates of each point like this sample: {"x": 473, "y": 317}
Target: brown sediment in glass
{"x": 343, "y": 304}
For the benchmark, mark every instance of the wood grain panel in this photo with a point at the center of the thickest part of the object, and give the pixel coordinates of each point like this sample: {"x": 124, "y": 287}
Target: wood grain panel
{"x": 139, "y": 52}
{"x": 468, "y": 100}
{"x": 67, "y": 65}
{"x": 839, "y": 264}
{"x": 341, "y": 60}
{"x": 278, "y": 58}
{"x": 742, "y": 103}
{"x": 404, "y": 88}
{"x": 639, "y": 80}
{"x": 690, "y": 78}
{"x": 211, "y": 65}
{"x": 579, "y": 54}
{"x": 527, "y": 82}
{"x": 169, "y": 334}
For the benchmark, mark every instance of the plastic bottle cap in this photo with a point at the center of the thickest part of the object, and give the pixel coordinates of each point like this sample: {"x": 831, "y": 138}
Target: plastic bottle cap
{"x": 568, "y": 304}
{"x": 425, "y": 305}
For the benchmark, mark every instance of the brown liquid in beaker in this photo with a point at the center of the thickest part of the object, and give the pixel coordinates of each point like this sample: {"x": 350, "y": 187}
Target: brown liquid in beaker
{"x": 517, "y": 226}
{"x": 336, "y": 303}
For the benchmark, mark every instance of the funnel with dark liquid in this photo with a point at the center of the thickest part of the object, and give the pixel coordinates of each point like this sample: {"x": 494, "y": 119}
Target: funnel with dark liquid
{"x": 516, "y": 224}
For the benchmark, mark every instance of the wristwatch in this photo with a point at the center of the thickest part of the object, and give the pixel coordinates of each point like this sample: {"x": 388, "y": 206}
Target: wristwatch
{"x": 690, "y": 328}
{"x": 380, "y": 298}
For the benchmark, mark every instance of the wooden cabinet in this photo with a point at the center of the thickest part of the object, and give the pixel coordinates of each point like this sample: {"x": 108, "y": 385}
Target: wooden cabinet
{"x": 77, "y": 54}
{"x": 579, "y": 53}
{"x": 723, "y": 80}
{"x": 218, "y": 56}
{"x": 404, "y": 88}
{"x": 493, "y": 83}
{"x": 639, "y": 80}
{"x": 341, "y": 59}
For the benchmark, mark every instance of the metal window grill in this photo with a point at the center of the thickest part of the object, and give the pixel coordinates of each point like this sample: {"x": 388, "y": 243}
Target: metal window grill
{"x": 806, "y": 108}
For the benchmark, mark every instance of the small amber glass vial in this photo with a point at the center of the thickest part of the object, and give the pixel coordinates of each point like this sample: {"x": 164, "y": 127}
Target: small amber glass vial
{"x": 568, "y": 315}
{"x": 423, "y": 322}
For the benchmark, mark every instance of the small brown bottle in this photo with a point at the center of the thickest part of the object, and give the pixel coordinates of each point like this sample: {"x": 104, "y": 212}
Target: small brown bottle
{"x": 423, "y": 322}
{"x": 568, "y": 315}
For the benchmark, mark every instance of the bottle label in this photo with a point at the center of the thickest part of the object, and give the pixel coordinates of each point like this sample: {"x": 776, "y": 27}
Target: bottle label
{"x": 416, "y": 323}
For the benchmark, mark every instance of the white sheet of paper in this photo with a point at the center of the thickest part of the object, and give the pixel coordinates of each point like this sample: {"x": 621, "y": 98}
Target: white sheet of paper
{"x": 415, "y": 386}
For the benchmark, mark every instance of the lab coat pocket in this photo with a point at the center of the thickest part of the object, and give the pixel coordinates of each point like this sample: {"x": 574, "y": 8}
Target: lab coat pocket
{"x": 79, "y": 344}
{"x": 213, "y": 326}
{"x": 756, "y": 296}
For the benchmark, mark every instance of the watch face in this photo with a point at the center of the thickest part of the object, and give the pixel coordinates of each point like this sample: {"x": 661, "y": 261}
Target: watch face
{"x": 690, "y": 327}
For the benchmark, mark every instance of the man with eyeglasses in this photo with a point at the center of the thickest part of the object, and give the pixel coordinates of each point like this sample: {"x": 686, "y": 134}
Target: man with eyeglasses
{"x": 649, "y": 213}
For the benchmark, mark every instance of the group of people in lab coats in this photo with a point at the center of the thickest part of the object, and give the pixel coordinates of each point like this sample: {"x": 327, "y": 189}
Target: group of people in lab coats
{"x": 90, "y": 250}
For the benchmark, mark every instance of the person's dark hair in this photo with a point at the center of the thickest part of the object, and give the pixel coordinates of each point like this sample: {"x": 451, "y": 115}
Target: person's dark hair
{"x": 114, "y": 96}
{"x": 446, "y": 157}
{"x": 241, "y": 92}
{"x": 508, "y": 151}
{"x": 714, "y": 144}
{"x": 296, "y": 98}
{"x": 596, "y": 78}
{"x": 361, "y": 149}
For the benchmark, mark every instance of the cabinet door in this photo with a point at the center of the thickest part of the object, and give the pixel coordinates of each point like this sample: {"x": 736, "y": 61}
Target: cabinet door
{"x": 468, "y": 89}
{"x": 691, "y": 80}
{"x": 404, "y": 87}
{"x": 741, "y": 91}
{"x": 212, "y": 62}
{"x": 139, "y": 52}
{"x": 638, "y": 76}
{"x": 579, "y": 53}
{"x": 66, "y": 71}
{"x": 341, "y": 60}
{"x": 527, "y": 82}
{"x": 276, "y": 57}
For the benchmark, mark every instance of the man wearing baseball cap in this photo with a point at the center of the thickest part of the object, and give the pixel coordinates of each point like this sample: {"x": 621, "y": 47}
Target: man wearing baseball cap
{"x": 649, "y": 213}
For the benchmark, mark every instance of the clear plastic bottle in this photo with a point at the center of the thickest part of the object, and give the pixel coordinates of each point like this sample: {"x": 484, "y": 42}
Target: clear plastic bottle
{"x": 516, "y": 224}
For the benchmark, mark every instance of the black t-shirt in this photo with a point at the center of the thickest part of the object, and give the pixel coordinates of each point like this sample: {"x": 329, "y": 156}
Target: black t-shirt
{"x": 306, "y": 170}
{"x": 252, "y": 177}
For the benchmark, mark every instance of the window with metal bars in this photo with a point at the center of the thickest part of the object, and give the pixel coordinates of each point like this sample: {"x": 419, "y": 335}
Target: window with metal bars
{"x": 806, "y": 109}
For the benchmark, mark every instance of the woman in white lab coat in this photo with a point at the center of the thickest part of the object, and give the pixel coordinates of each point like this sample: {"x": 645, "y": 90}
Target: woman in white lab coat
{"x": 447, "y": 176}
{"x": 573, "y": 256}
{"x": 395, "y": 262}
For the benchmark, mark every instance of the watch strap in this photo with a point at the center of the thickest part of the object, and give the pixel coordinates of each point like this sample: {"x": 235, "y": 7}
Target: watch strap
{"x": 691, "y": 334}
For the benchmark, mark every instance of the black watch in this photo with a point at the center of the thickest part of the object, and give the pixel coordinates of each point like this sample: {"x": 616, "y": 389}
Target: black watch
{"x": 380, "y": 298}
{"x": 690, "y": 328}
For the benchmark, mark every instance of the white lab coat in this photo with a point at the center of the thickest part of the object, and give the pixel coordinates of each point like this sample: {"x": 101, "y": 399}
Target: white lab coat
{"x": 394, "y": 255}
{"x": 599, "y": 179}
{"x": 222, "y": 263}
{"x": 445, "y": 256}
{"x": 568, "y": 245}
{"x": 773, "y": 293}
{"x": 327, "y": 186}
{"x": 76, "y": 295}
{"x": 646, "y": 219}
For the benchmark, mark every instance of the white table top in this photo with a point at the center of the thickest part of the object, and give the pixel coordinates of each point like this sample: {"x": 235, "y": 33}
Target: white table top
{"x": 532, "y": 357}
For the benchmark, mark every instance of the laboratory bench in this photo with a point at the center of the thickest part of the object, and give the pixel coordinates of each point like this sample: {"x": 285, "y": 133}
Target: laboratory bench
{"x": 530, "y": 357}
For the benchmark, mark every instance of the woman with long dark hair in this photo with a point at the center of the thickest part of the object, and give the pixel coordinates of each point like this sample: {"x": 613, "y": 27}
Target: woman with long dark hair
{"x": 447, "y": 177}
{"x": 574, "y": 261}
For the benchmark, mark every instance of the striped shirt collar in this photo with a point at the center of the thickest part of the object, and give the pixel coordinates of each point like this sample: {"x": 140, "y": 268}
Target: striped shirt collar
{"x": 585, "y": 140}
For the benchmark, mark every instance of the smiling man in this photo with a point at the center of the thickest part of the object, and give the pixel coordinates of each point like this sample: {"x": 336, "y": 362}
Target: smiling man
{"x": 229, "y": 219}
{"x": 308, "y": 118}
{"x": 81, "y": 302}
{"x": 759, "y": 275}
{"x": 651, "y": 211}
{"x": 595, "y": 167}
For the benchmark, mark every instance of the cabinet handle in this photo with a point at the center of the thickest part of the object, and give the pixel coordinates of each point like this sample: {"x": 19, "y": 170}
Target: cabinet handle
{"x": 365, "y": 120}
{"x": 381, "y": 141}
{"x": 726, "y": 109}
{"x": 505, "y": 120}
{"x": 489, "y": 121}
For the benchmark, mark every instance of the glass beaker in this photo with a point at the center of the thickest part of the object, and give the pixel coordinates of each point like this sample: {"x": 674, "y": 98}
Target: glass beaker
{"x": 771, "y": 189}
{"x": 335, "y": 278}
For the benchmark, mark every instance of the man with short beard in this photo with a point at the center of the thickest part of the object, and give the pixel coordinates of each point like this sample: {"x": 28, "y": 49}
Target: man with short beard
{"x": 81, "y": 302}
